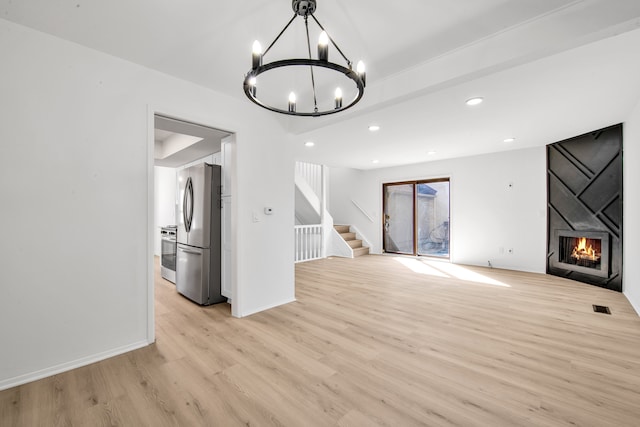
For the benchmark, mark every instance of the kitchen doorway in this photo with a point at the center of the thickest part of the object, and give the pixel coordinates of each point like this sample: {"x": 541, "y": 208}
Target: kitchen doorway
{"x": 178, "y": 144}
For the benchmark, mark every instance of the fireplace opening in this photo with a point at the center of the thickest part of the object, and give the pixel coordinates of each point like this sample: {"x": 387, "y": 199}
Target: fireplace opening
{"x": 586, "y": 252}
{"x": 580, "y": 251}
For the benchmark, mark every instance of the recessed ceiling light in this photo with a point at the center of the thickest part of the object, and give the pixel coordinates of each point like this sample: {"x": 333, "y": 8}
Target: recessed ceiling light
{"x": 375, "y": 161}
{"x": 309, "y": 144}
{"x": 474, "y": 101}
{"x": 431, "y": 153}
{"x": 374, "y": 128}
{"x": 508, "y": 140}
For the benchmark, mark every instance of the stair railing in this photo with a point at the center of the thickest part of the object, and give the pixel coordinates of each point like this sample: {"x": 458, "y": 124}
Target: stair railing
{"x": 308, "y": 242}
{"x": 312, "y": 174}
{"x": 362, "y": 210}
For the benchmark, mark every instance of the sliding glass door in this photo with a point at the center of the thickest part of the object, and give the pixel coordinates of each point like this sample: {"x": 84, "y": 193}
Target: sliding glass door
{"x": 416, "y": 217}
{"x": 398, "y": 218}
{"x": 432, "y": 217}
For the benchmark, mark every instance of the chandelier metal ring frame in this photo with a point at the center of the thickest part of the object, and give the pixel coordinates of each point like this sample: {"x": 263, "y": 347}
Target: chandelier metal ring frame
{"x": 304, "y": 8}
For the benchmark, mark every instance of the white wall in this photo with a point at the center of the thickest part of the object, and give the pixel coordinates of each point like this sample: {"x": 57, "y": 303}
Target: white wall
{"x": 631, "y": 203}
{"x": 164, "y": 202}
{"x": 76, "y": 142}
{"x": 486, "y": 214}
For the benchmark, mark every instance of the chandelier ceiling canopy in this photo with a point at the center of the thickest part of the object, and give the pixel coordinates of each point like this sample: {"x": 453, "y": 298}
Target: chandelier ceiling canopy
{"x": 321, "y": 74}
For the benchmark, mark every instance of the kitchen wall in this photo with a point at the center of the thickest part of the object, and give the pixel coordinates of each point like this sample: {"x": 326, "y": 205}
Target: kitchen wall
{"x": 164, "y": 202}
{"x": 631, "y": 178}
{"x": 488, "y": 216}
{"x": 77, "y": 188}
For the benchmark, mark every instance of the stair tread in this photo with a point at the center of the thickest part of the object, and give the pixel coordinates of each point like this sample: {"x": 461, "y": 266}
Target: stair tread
{"x": 355, "y": 243}
{"x": 342, "y": 228}
{"x": 361, "y": 251}
{"x": 348, "y": 236}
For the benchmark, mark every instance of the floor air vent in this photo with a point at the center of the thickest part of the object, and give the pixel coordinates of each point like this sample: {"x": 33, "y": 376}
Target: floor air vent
{"x": 601, "y": 309}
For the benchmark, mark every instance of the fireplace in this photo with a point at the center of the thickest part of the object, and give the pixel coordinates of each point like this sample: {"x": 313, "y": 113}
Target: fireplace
{"x": 584, "y": 252}
{"x": 584, "y": 208}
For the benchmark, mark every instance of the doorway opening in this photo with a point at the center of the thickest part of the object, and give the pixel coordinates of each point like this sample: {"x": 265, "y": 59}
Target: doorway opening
{"x": 417, "y": 217}
{"x": 179, "y": 144}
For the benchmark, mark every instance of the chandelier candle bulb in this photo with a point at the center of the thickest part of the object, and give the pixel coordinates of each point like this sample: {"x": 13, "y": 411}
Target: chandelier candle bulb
{"x": 323, "y": 47}
{"x": 338, "y": 98}
{"x": 292, "y": 102}
{"x": 256, "y": 55}
{"x": 361, "y": 72}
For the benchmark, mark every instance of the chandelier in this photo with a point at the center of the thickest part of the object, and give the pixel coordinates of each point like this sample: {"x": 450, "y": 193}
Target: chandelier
{"x": 357, "y": 78}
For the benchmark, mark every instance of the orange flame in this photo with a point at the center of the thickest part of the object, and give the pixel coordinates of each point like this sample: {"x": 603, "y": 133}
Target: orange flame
{"x": 582, "y": 251}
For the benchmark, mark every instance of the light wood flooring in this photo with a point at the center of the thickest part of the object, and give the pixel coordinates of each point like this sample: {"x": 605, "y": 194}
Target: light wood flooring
{"x": 376, "y": 340}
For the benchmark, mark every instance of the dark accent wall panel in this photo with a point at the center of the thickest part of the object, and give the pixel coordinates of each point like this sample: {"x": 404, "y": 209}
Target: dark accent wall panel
{"x": 584, "y": 193}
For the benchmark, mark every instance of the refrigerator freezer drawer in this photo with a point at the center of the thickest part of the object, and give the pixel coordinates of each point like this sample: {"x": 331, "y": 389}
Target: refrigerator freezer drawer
{"x": 192, "y": 273}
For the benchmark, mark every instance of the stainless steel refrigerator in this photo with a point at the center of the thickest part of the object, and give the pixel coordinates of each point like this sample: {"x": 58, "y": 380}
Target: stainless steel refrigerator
{"x": 198, "y": 261}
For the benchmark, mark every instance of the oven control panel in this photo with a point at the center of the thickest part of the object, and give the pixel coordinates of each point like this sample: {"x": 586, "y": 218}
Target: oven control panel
{"x": 169, "y": 232}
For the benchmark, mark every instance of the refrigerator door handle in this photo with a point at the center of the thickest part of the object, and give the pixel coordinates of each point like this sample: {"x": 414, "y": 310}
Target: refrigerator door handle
{"x": 187, "y": 205}
{"x": 191, "y": 202}
{"x": 184, "y": 206}
{"x": 187, "y": 251}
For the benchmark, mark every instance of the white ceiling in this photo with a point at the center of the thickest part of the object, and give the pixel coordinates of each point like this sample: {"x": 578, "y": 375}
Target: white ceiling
{"x": 178, "y": 143}
{"x": 547, "y": 69}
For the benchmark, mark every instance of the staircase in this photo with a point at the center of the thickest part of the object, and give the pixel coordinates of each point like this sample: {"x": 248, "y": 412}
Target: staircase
{"x": 315, "y": 234}
{"x": 350, "y": 238}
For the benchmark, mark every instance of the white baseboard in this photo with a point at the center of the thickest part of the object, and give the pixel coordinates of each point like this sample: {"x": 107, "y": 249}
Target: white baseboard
{"x": 63, "y": 367}
{"x": 634, "y": 302}
{"x": 267, "y": 307}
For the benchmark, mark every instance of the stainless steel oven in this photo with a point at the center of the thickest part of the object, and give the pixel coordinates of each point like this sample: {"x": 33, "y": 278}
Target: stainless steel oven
{"x": 168, "y": 252}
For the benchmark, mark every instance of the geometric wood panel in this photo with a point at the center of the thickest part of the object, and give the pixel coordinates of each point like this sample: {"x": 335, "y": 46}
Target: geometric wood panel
{"x": 584, "y": 193}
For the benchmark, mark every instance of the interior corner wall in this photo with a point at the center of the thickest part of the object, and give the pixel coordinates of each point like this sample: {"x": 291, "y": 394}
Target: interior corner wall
{"x": 631, "y": 178}
{"x": 344, "y": 186}
{"x": 498, "y": 202}
{"x": 75, "y": 179}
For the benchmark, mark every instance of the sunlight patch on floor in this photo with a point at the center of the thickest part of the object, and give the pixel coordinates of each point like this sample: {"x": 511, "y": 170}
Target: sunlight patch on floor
{"x": 418, "y": 267}
{"x": 447, "y": 270}
{"x": 463, "y": 273}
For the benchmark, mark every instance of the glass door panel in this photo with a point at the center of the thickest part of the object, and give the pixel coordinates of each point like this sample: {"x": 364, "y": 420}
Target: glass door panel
{"x": 432, "y": 211}
{"x": 399, "y": 218}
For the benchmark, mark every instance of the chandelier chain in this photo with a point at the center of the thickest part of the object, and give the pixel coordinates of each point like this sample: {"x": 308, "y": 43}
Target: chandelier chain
{"x": 313, "y": 80}
{"x": 281, "y": 33}
{"x": 332, "y": 42}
